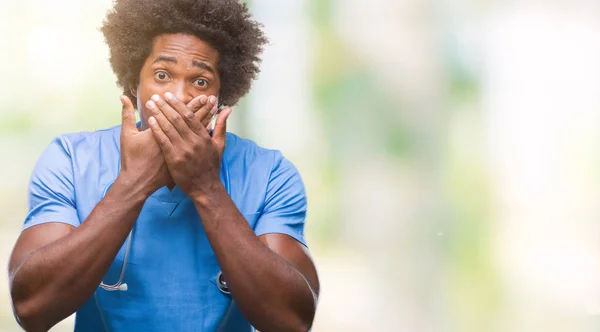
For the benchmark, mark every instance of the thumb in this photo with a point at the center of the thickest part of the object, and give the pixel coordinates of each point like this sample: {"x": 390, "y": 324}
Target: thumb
{"x": 128, "y": 116}
{"x": 220, "y": 131}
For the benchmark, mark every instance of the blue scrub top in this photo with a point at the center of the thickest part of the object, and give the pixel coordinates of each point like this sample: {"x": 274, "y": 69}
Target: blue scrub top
{"x": 171, "y": 270}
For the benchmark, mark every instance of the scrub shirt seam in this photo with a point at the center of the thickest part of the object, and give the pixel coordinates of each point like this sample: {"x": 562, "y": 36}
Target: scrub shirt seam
{"x": 71, "y": 152}
{"x": 264, "y": 202}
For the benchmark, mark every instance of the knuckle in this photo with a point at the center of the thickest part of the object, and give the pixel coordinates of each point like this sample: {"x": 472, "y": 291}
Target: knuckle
{"x": 189, "y": 115}
{"x": 194, "y": 106}
{"x": 127, "y": 114}
{"x": 175, "y": 118}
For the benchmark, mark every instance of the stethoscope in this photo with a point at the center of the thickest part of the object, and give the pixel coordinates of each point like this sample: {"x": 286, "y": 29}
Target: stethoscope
{"x": 121, "y": 286}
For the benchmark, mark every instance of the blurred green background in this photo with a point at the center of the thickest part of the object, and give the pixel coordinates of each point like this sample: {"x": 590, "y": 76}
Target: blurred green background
{"x": 450, "y": 149}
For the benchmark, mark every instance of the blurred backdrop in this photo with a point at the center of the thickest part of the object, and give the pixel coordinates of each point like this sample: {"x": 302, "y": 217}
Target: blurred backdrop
{"x": 450, "y": 149}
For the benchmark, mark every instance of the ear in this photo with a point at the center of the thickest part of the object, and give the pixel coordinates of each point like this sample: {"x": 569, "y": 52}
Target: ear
{"x": 133, "y": 92}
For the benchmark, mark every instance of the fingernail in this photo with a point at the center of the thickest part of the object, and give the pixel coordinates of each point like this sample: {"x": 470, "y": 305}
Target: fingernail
{"x": 168, "y": 96}
{"x": 155, "y": 98}
{"x": 122, "y": 99}
{"x": 151, "y": 120}
{"x": 150, "y": 104}
{"x": 203, "y": 99}
{"x": 214, "y": 110}
{"x": 213, "y": 99}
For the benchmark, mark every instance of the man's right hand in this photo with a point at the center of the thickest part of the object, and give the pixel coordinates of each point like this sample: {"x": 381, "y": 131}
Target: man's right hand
{"x": 142, "y": 164}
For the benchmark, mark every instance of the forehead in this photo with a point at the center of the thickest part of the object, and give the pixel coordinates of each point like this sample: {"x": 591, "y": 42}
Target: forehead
{"x": 185, "y": 47}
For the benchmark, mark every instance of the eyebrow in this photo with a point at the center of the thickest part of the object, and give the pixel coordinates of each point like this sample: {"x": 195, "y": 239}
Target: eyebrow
{"x": 195, "y": 63}
{"x": 204, "y": 66}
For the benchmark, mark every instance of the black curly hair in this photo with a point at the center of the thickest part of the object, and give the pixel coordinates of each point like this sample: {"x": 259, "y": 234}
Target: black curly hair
{"x": 131, "y": 26}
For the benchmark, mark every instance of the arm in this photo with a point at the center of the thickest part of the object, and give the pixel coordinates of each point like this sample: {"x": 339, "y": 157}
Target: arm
{"x": 54, "y": 267}
{"x": 54, "y": 263}
{"x": 272, "y": 279}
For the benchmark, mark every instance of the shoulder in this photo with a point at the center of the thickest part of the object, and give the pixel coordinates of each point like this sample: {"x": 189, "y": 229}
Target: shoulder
{"x": 66, "y": 145}
{"x": 242, "y": 152}
{"x": 87, "y": 139}
{"x": 255, "y": 174}
{"x": 78, "y": 154}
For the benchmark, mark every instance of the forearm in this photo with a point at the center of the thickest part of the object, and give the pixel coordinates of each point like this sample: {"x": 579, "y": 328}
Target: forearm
{"x": 270, "y": 292}
{"x": 57, "y": 279}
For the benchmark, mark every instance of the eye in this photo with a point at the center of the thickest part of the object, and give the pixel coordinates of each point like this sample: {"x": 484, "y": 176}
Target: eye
{"x": 161, "y": 76}
{"x": 201, "y": 83}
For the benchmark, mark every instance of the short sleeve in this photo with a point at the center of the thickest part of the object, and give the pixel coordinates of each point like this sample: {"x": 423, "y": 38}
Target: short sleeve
{"x": 51, "y": 193}
{"x": 284, "y": 211}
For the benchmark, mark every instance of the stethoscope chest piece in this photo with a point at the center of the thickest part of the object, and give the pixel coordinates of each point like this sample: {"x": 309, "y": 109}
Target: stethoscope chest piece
{"x": 222, "y": 284}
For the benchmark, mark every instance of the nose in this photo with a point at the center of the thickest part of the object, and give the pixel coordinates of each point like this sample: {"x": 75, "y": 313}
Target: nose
{"x": 183, "y": 92}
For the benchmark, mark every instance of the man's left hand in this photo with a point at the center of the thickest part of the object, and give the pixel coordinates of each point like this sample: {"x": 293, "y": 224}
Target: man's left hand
{"x": 192, "y": 156}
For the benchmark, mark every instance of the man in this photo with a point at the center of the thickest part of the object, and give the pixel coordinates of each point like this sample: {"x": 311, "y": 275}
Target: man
{"x": 184, "y": 227}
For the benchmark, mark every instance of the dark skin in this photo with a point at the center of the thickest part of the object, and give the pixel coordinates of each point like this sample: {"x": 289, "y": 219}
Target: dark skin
{"x": 272, "y": 277}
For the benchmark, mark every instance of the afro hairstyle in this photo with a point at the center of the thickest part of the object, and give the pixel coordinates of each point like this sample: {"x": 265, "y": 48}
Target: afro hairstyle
{"x": 131, "y": 26}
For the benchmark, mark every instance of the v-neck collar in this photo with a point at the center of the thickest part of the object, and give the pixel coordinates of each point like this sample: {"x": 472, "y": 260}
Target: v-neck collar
{"x": 169, "y": 199}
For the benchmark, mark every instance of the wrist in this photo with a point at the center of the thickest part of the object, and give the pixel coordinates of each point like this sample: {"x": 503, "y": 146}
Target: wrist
{"x": 207, "y": 194}
{"x": 131, "y": 188}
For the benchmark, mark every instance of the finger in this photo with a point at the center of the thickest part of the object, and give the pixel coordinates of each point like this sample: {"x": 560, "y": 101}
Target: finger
{"x": 188, "y": 116}
{"x": 207, "y": 110}
{"x": 172, "y": 116}
{"x": 208, "y": 118}
{"x": 220, "y": 130}
{"x": 161, "y": 138}
{"x": 197, "y": 103}
{"x": 128, "y": 124}
{"x": 165, "y": 125}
